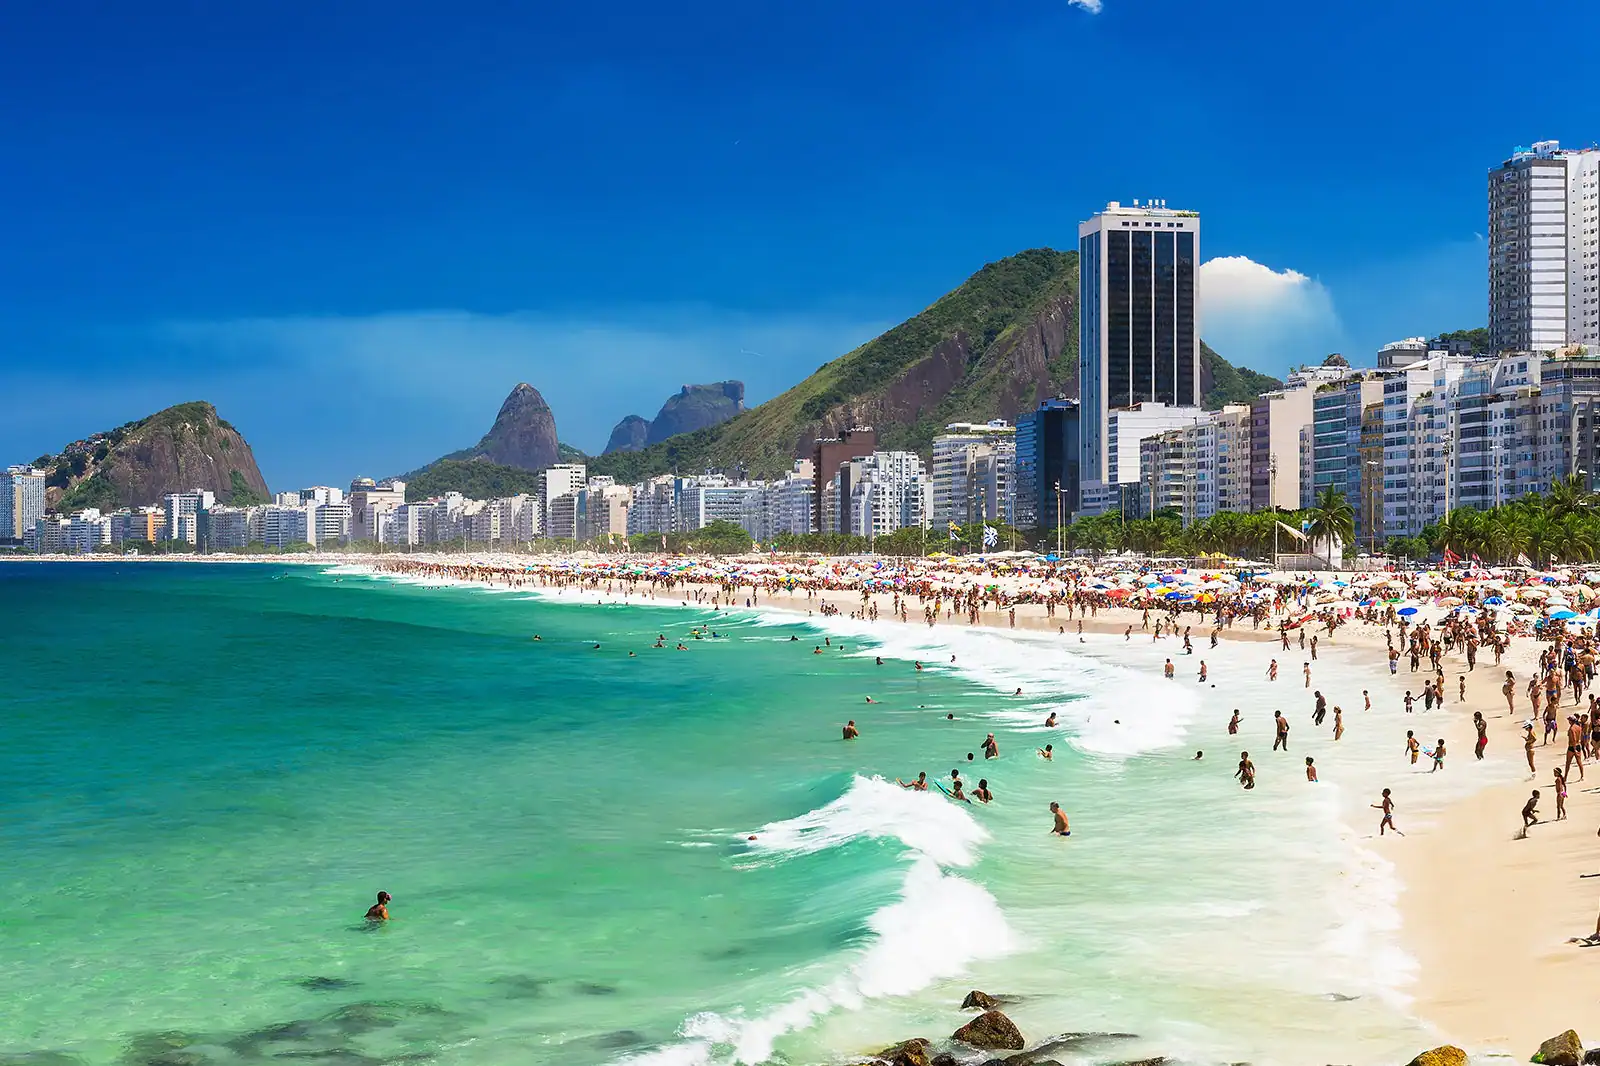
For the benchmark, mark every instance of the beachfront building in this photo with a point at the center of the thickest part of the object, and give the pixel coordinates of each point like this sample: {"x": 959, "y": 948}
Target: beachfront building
{"x": 972, "y": 468}
{"x": 226, "y": 528}
{"x": 182, "y": 510}
{"x": 1137, "y": 334}
{"x": 1276, "y": 419}
{"x": 655, "y": 505}
{"x": 1198, "y": 469}
{"x": 826, "y": 455}
{"x": 371, "y": 505}
{"x": 1544, "y": 249}
{"x": 712, "y": 498}
{"x": 47, "y": 536}
{"x": 1337, "y": 409}
{"x": 1127, "y": 429}
{"x": 1402, "y": 353}
{"x": 1495, "y": 404}
{"x": 278, "y": 528}
{"x": 1416, "y": 442}
{"x": 605, "y": 510}
{"x": 322, "y": 495}
{"x": 330, "y": 522}
{"x": 563, "y": 479}
{"x": 1371, "y": 471}
{"x": 1567, "y": 411}
{"x": 887, "y": 491}
{"x": 408, "y": 526}
{"x": 1045, "y": 484}
{"x": 782, "y": 506}
{"x": 133, "y": 525}
{"x": 21, "y": 502}
{"x": 87, "y": 531}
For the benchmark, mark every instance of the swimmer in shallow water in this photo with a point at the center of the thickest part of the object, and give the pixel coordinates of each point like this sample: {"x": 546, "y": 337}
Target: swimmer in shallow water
{"x": 379, "y": 911}
{"x": 1047, "y": 752}
{"x": 982, "y": 793}
{"x": 850, "y": 730}
{"x": 919, "y": 785}
{"x": 1060, "y": 828}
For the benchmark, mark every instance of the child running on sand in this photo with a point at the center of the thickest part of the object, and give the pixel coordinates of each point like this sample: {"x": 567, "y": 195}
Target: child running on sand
{"x": 1387, "y": 807}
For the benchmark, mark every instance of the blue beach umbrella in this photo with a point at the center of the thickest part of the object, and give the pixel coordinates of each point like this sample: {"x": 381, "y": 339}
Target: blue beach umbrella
{"x": 1563, "y": 615}
{"x": 1495, "y": 599}
{"x": 1408, "y": 610}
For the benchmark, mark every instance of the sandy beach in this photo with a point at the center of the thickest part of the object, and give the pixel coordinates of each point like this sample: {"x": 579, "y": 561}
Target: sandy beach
{"x": 1488, "y": 916}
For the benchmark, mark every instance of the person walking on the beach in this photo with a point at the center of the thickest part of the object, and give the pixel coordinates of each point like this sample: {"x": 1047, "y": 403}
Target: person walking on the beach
{"x": 1412, "y": 746}
{"x": 1509, "y": 691}
{"x": 1202, "y": 671}
{"x": 1060, "y": 828}
{"x": 1387, "y": 807}
{"x": 1308, "y": 675}
{"x": 1282, "y": 738}
{"x": 1561, "y": 795}
{"x": 1409, "y": 700}
{"x": 1527, "y": 747}
{"x": 1233, "y": 723}
{"x": 1394, "y": 662}
{"x": 1322, "y": 709}
{"x": 1313, "y": 649}
{"x": 1574, "y": 746}
{"x": 1368, "y": 697}
{"x": 1483, "y": 734}
{"x": 1272, "y": 670}
{"x": 1247, "y": 770}
{"x": 1338, "y": 722}
{"x": 1438, "y": 756}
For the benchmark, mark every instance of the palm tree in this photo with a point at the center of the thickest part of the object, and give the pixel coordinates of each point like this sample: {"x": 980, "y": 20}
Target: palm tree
{"x": 1566, "y": 496}
{"x": 1332, "y": 520}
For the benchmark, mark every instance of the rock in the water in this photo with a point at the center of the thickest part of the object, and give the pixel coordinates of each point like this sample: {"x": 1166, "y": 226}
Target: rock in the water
{"x": 1562, "y": 1050}
{"x": 1448, "y": 1055}
{"x": 980, "y": 1001}
{"x": 630, "y": 435}
{"x": 913, "y": 1052}
{"x": 991, "y": 1029}
{"x": 325, "y": 984}
{"x": 944, "y": 1058}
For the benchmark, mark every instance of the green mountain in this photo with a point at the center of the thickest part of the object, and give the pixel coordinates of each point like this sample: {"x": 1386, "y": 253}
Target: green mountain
{"x": 993, "y": 347}
{"x": 476, "y": 479}
{"x": 181, "y": 448}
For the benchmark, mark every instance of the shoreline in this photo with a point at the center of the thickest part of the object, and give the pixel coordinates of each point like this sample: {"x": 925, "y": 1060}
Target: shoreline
{"x": 1487, "y": 927}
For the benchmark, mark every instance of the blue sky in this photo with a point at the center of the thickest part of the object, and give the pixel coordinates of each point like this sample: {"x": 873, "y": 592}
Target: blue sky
{"x": 355, "y": 226}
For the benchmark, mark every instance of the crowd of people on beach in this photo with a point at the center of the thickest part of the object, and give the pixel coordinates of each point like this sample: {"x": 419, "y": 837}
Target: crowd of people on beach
{"x": 1468, "y": 626}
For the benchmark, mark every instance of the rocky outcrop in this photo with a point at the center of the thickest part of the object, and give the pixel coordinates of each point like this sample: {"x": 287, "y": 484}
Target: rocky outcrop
{"x": 979, "y": 1001}
{"x": 913, "y": 1052}
{"x": 179, "y": 449}
{"x": 992, "y": 1030}
{"x": 1448, "y": 1055}
{"x": 631, "y": 434}
{"x": 697, "y": 407}
{"x": 1564, "y": 1049}
{"x": 523, "y": 434}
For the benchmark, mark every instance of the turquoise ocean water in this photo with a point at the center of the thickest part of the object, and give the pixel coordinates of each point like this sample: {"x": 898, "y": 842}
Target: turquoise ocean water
{"x": 207, "y": 772}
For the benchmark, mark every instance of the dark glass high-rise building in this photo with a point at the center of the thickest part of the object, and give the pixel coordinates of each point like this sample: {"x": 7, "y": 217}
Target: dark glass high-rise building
{"x": 1138, "y": 339}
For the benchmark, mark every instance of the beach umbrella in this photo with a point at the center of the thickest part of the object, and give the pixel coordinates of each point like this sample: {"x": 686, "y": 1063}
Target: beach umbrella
{"x": 1561, "y": 614}
{"x": 1408, "y": 611}
{"x": 1494, "y": 599}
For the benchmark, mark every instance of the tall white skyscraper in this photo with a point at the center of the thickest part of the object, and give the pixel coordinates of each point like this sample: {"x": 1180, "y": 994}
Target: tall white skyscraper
{"x": 1138, "y": 338}
{"x": 21, "y": 501}
{"x": 1544, "y": 249}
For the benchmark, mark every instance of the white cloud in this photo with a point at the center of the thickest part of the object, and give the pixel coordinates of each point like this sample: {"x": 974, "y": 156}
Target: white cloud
{"x": 1091, "y": 6}
{"x": 1263, "y": 318}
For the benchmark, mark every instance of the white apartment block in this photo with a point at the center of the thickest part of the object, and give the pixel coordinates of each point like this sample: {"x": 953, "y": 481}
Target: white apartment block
{"x": 563, "y": 479}
{"x": 712, "y": 498}
{"x": 887, "y": 491}
{"x": 330, "y": 522}
{"x": 21, "y": 501}
{"x": 278, "y": 527}
{"x": 227, "y": 528}
{"x": 322, "y": 495}
{"x": 654, "y": 507}
{"x": 1416, "y": 442}
{"x": 1544, "y": 249}
{"x": 973, "y": 466}
{"x": 1126, "y": 430}
{"x": 605, "y": 509}
{"x": 1200, "y": 469}
{"x": 186, "y": 505}
{"x": 371, "y": 505}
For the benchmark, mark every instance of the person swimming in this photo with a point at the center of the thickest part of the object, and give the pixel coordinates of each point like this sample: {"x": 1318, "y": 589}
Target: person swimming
{"x": 379, "y": 911}
{"x": 1047, "y": 752}
{"x": 1050, "y": 722}
{"x": 919, "y": 785}
{"x": 982, "y": 793}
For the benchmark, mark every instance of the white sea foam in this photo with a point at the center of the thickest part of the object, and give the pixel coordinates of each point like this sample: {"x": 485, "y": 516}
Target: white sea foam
{"x": 939, "y": 926}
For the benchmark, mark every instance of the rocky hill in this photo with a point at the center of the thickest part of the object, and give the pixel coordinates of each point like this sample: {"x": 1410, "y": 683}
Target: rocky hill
{"x": 692, "y": 407}
{"x": 182, "y": 448}
{"x": 523, "y": 435}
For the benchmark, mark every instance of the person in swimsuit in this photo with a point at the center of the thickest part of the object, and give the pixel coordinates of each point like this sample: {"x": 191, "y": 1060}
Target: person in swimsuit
{"x": 1046, "y": 752}
{"x": 1561, "y": 795}
{"x": 1247, "y": 770}
{"x": 1438, "y": 756}
{"x": 991, "y": 749}
{"x": 1509, "y": 691}
{"x": 1311, "y": 770}
{"x": 919, "y": 785}
{"x": 1338, "y": 722}
{"x": 1527, "y": 746}
{"x": 1483, "y": 734}
{"x": 982, "y": 793}
{"x": 1050, "y": 723}
{"x": 1282, "y": 738}
{"x": 1387, "y": 807}
{"x": 1060, "y": 828}
{"x": 956, "y": 793}
{"x": 850, "y": 730}
{"x": 1530, "y": 812}
{"x": 1412, "y": 746}
{"x": 1574, "y": 746}
{"x": 379, "y": 911}
{"x": 1233, "y": 723}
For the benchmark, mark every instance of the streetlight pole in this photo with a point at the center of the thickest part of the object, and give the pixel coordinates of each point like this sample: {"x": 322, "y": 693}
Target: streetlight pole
{"x": 1272, "y": 504}
{"x": 1059, "y": 520}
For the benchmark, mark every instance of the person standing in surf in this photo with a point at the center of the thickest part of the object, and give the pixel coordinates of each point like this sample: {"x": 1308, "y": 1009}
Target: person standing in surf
{"x": 1247, "y": 771}
{"x": 1282, "y": 738}
{"x": 1060, "y": 828}
{"x": 850, "y": 730}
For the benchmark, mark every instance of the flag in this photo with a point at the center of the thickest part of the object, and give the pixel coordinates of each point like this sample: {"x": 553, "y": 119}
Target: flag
{"x": 991, "y": 536}
{"x": 1523, "y": 560}
{"x": 955, "y": 532}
